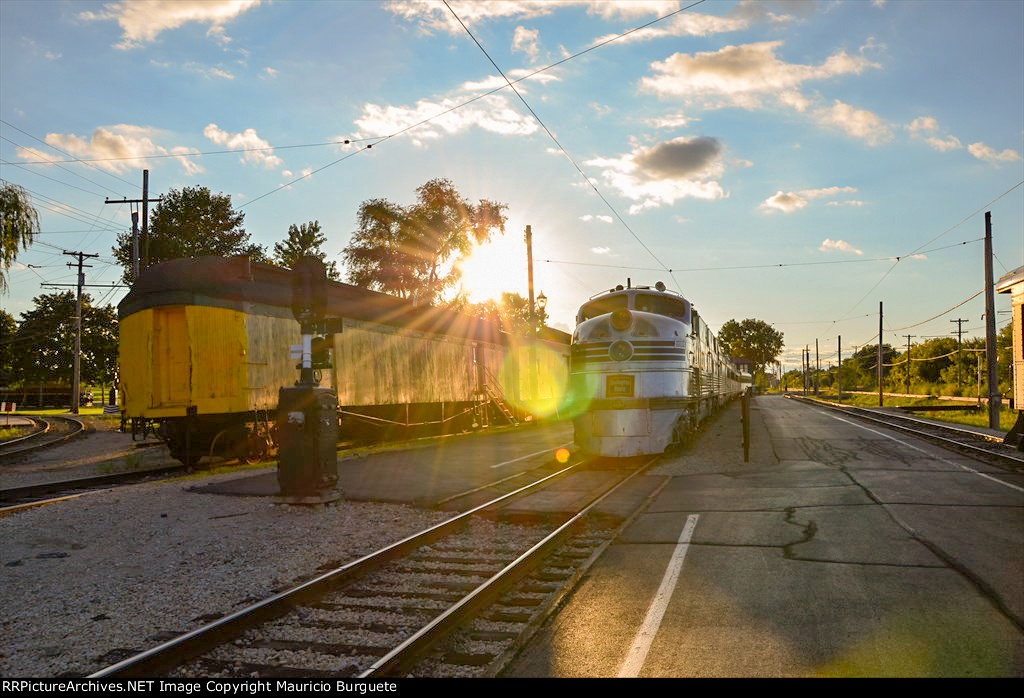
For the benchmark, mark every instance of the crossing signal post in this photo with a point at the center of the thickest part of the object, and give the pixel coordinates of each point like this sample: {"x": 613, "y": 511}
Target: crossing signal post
{"x": 307, "y": 414}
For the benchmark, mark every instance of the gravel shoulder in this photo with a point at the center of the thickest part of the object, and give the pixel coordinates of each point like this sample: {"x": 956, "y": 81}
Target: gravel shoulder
{"x": 87, "y": 578}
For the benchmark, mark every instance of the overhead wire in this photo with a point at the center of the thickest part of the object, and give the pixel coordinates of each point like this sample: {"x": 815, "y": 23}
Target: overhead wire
{"x": 562, "y": 148}
{"x": 377, "y": 140}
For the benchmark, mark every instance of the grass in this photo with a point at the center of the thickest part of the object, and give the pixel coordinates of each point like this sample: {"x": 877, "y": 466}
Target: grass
{"x": 1007, "y": 418}
{"x": 12, "y": 432}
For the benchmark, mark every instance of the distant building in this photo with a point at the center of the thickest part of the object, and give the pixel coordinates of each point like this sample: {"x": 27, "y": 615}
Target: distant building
{"x": 1013, "y": 283}
{"x": 745, "y": 367}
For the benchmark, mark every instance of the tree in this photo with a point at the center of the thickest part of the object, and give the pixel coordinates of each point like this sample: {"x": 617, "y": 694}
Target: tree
{"x": 8, "y": 328}
{"x": 753, "y": 340}
{"x": 303, "y": 240}
{"x": 19, "y": 223}
{"x": 191, "y": 222}
{"x": 412, "y": 250}
{"x": 49, "y": 329}
{"x": 512, "y": 312}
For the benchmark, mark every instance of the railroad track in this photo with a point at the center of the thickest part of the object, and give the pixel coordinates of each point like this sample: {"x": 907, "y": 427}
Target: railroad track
{"x": 50, "y": 430}
{"x": 457, "y": 599}
{"x": 15, "y": 499}
{"x": 982, "y": 446}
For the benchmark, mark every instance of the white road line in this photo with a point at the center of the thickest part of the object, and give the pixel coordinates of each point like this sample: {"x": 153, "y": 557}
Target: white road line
{"x": 645, "y": 636}
{"x": 931, "y": 455}
{"x": 531, "y": 455}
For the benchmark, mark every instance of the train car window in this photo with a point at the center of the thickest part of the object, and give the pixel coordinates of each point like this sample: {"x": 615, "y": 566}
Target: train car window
{"x": 662, "y": 305}
{"x": 601, "y": 306}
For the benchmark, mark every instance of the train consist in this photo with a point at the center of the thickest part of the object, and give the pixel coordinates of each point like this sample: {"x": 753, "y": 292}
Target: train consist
{"x": 652, "y": 370}
{"x": 204, "y": 348}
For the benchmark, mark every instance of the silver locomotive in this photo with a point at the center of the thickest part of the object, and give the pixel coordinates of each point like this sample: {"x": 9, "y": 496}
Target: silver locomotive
{"x": 649, "y": 368}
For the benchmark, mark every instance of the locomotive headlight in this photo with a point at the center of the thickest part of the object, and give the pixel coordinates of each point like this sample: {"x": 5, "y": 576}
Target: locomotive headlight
{"x": 620, "y": 350}
{"x": 622, "y": 319}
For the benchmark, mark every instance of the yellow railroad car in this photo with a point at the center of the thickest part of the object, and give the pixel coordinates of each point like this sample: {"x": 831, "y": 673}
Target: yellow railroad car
{"x": 204, "y": 348}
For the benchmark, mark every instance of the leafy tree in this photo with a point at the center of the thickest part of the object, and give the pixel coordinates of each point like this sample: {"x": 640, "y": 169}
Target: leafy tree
{"x": 407, "y": 250}
{"x": 303, "y": 240}
{"x": 512, "y": 312}
{"x": 191, "y": 222}
{"x": 754, "y": 340}
{"x": 49, "y": 331}
{"x": 19, "y": 223}
{"x": 8, "y": 328}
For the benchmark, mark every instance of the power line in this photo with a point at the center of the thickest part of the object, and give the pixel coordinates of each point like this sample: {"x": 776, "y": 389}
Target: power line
{"x": 380, "y": 139}
{"x": 66, "y": 153}
{"x": 565, "y": 152}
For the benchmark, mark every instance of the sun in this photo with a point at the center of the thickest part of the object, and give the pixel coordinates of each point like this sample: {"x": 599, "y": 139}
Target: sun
{"x": 495, "y": 267}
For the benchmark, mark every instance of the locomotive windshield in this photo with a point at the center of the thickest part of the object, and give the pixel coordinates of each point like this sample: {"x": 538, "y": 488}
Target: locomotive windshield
{"x": 662, "y": 305}
{"x": 602, "y": 306}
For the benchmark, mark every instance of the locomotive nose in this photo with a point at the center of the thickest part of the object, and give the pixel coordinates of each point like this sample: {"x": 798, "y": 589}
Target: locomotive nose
{"x": 622, "y": 319}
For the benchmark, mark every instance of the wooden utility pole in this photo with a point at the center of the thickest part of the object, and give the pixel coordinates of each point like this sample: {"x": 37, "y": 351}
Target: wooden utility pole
{"x": 529, "y": 272}
{"x": 880, "y": 403}
{"x": 908, "y": 362}
{"x": 136, "y": 266}
{"x": 817, "y": 366}
{"x": 839, "y": 371}
{"x": 959, "y": 347}
{"x": 990, "y": 329}
{"x": 75, "y": 387}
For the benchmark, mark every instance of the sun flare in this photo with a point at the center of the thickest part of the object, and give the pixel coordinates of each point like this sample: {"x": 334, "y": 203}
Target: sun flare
{"x": 496, "y": 266}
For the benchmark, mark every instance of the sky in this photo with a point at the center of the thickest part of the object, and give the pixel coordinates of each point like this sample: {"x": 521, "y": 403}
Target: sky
{"x": 768, "y": 160}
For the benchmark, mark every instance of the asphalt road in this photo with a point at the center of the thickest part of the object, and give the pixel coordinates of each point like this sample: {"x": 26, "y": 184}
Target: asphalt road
{"x": 841, "y": 549}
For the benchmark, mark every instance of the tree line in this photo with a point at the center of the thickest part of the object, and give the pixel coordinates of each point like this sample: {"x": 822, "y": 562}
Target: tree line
{"x": 410, "y": 251}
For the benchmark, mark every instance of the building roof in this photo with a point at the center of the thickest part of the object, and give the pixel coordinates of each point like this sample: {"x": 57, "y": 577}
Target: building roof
{"x": 1009, "y": 280}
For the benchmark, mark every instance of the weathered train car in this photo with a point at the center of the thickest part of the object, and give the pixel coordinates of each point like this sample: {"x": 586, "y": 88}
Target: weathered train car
{"x": 205, "y": 348}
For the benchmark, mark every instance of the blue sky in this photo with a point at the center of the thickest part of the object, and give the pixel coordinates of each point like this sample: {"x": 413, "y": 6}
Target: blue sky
{"x": 732, "y": 134}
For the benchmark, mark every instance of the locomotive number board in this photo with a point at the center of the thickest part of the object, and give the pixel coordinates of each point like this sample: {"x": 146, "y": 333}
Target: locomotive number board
{"x": 619, "y": 386}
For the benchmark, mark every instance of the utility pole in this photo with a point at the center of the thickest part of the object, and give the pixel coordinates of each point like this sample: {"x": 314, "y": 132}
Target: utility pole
{"x": 959, "y": 347}
{"x": 839, "y": 371}
{"x": 533, "y": 314}
{"x": 990, "y": 329}
{"x": 908, "y": 362}
{"x": 75, "y": 387}
{"x": 136, "y": 266}
{"x": 880, "y": 403}
{"x": 817, "y": 366}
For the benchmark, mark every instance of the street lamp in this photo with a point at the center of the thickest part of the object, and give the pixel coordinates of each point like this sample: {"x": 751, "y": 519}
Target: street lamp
{"x": 542, "y": 302}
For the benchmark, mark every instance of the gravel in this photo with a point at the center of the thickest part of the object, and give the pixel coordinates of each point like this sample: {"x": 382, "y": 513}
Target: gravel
{"x": 108, "y": 570}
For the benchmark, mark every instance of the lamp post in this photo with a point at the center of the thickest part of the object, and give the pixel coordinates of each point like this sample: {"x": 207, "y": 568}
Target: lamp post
{"x": 542, "y": 302}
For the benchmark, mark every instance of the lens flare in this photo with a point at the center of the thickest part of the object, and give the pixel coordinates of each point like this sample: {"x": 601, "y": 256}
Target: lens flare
{"x": 562, "y": 455}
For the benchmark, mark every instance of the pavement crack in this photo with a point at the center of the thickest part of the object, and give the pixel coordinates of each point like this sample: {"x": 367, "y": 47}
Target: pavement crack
{"x": 808, "y": 529}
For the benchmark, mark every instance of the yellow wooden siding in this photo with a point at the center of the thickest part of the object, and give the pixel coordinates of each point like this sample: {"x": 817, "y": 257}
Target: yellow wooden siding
{"x": 222, "y": 360}
{"x": 135, "y": 364}
{"x": 218, "y": 351}
{"x": 380, "y": 364}
{"x": 268, "y": 362}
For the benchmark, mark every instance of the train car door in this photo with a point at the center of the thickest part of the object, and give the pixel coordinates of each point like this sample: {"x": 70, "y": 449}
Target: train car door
{"x": 171, "y": 355}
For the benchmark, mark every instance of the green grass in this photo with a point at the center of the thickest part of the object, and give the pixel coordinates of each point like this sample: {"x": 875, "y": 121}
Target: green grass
{"x": 979, "y": 418}
{"x": 13, "y": 432}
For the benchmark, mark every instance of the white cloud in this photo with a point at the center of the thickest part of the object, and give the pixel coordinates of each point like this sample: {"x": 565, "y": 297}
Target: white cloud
{"x": 588, "y": 217}
{"x": 493, "y": 82}
{"x": 245, "y": 139}
{"x": 827, "y": 191}
{"x": 666, "y": 172}
{"x": 125, "y": 142}
{"x": 984, "y": 152}
{"x": 678, "y": 120}
{"x": 859, "y": 123}
{"x": 683, "y": 24}
{"x": 926, "y": 128}
{"x": 841, "y": 245}
{"x": 787, "y": 202}
{"x": 269, "y": 72}
{"x": 141, "y": 21}
{"x": 744, "y": 75}
{"x": 433, "y": 16}
{"x": 849, "y": 202}
{"x": 493, "y": 113}
{"x": 600, "y": 250}
{"x": 525, "y": 40}
{"x": 919, "y": 256}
